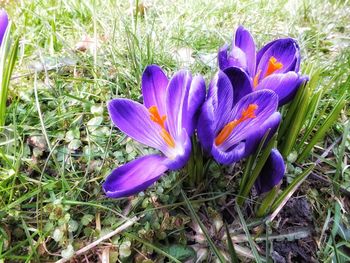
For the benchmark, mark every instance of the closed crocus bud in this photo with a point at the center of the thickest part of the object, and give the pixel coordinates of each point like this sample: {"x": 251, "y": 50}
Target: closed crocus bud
{"x": 3, "y": 23}
{"x": 272, "y": 172}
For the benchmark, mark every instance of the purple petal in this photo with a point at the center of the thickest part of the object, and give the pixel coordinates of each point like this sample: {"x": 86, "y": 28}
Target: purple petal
{"x": 271, "y": 125}
{"x": 235, "y": 154}
{"x": 245, "y": 42}
{"x": 285, "y": 50}
{"x": 196, "y": 98}
{"x": 240, "y": 82}
{"x": 176, "y": 101}
{"x": 134, "y": 119}
{"x": 181, "y": 153}
{"x": 267, "y": 102}
{"x": 3, "y": 24}
{"x": 285, "y": 85}
{"x": 272, "y": 172}
{"x": 154, "y": 83}
{"x": 231, "y": 58}
{"x": 223, "y": 57}
{"x": 134, "y": 176}
{"x": 215, "y": 110}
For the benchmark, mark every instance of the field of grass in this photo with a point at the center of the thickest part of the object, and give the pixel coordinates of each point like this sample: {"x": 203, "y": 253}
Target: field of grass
{"x": 58, "y": 143}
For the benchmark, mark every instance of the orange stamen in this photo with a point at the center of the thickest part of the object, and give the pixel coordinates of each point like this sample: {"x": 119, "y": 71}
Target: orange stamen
{"x": 167, "y": 138}
{"x": 248, "y": 113}
{"x": 273, "y": 66}
{"x": 160, "y": 120}
{"x": 256, "y": 79}
{"x": 155, "y": 117}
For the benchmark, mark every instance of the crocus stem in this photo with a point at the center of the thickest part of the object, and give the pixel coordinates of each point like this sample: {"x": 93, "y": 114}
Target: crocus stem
{"x": 195, "y": 166}
{"x": 266, "y": 203}
{"x": 255, "y": 172}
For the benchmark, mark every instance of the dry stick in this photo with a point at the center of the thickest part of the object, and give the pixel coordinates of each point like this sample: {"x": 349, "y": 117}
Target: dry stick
{"x": 95, "y": 243}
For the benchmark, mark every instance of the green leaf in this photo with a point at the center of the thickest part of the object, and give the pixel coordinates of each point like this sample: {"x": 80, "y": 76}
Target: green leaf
{"x": 292, "y": 187}
{"x": 180, "y": 252}
{"x": 211, "y": 244}
{"x": 244, "y": 191}
{"x": 246, "y": 230}
{"x": 320, "y": 133}
{"x": 231, "y": 248}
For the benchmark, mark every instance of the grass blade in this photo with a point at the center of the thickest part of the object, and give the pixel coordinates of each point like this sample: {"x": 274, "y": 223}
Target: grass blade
{"x": 244, "y": 191}
{"x": 246, "y": 230}
{"x": 231, "y": 248}
{"x": 212, "y": 246}
{"x": 332, "y": 117}
{"x": 289, "y": 191}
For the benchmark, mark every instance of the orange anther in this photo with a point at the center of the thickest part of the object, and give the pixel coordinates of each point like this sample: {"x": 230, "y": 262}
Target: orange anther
{"x": 167, "y": 138}
{"x": 273, "y": 66}
{"x": 155, "y": 117}
{"x": 248, "y": 113}
{"x": 256, "y": 79}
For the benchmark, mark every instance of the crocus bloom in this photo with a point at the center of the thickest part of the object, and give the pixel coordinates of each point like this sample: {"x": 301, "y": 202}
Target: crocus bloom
{"x": 272, "y": 173}
{"x": 165, "y": 121}
{"x": 3, "y": 23}
{"x": 275, "y": 66}
{"x": 231, "y": 131}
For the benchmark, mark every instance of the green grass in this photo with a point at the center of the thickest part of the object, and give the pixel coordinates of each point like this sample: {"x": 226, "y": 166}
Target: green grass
{"x": 58, "y": 144}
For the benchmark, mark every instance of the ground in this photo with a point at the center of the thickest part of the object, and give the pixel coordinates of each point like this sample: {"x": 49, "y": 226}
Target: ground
{"x": 58, "y": 143}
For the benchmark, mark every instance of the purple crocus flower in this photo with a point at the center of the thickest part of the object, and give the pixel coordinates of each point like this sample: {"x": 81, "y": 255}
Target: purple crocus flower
{"x": 165, "y": 121}
{"x": 232, "y": 131}
{"x": 3, "y": 24}
{"x": 272, "y": 173}
{"x": 275, "y": 66}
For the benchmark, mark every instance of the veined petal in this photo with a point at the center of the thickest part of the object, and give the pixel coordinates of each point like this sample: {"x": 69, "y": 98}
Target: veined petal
{"x": 206, "y": 125}
{"x": 272, "y": 172}
{"x": 240, "y": 81}
{"x": 235, "y": 154}
{"x": 154, "y": 84}
{"x": 223, "y": 57}
{"x": 266, "y": 102}
{"x": 134, "y": 176}
{"x": 133, "y": 119}
{"x": 181, "y": 153}
{"x": 245, "y": 42}
{"x": 3, "y": 23}
{"x": 285, "y": 85}
{"x": 195, "y": 100}
{"x": 284, "y": 50}
{"x": 176, "y": 101}
{"x": 271, "y": 125}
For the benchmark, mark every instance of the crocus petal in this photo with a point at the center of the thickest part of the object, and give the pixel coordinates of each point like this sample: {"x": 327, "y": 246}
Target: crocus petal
{"x": 285, "y": 50}
{"x": 270, "y": 125}
{"x": 272, "y": 172}
{"x": 206, "y": 125}
{"x": 223, "y": 57}
{"x": 231, "y": 58}
{"x": 235, "y": 154}
{"x": 245, "y": 42}
{"x": 267, "y": 102}
{"x": 181, "y": 153}
{"x": 240, "y": 81}
{"x": 134, "y": 176}
{"x": 215, "y": 110}
{"x": 154, "y": 83}
{"x": 134, "y": 119}
{"x": 285, "y": 85}
{"x": 195, "y": 100}
{"x": 3, "y": 23}
{"x": 176, "y": 101}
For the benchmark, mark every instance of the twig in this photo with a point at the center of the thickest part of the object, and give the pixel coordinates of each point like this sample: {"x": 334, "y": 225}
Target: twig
{"x": 96, "y": 242}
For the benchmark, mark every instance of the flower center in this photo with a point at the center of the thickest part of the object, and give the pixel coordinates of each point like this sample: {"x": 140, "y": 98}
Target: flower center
{"x": 272, "y": 66}
{"x": 248, "y": 113}
{"x": 160, "y": 120}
